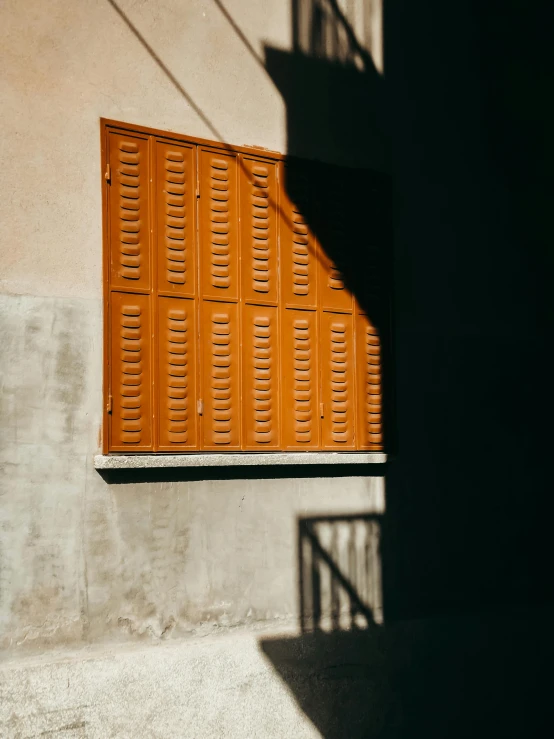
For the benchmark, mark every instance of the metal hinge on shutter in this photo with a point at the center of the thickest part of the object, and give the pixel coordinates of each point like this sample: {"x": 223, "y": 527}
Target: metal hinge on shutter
{"x": 108, "y": 173}
{"x": 200, "y": 407}
{"x": 109, "y": 405}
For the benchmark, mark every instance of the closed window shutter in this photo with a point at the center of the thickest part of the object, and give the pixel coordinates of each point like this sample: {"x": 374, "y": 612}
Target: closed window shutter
{"x": 177, "y": 374}
{"x": 259, "y": 207}
{"x": 337, "y": 380}
{"x": 129, "y": 213}
{"x": 369, "y": 381}
{"x": 260, "y": 368}
{"x": 219, "y": 269}
{"x": 231, "y": 325}
{"x": 175, "y": 196}
{"x": 130, "y": 309}
{"x": 297, "y": 242}
{"x": 131, "y": 417}
{"x": 300, "y": 388}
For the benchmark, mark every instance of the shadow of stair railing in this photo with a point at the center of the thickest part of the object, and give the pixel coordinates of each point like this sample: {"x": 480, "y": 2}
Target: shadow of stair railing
{"x": 339, "y": 572}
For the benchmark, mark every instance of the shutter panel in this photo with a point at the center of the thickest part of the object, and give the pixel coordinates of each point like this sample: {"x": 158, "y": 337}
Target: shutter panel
{"x": 129, "y": 222}
{"x": 259, "y": 203}
{"x": 300, "y": 380}
{"x": 333, "y": 293}
{"x": 298, "y": 251}
{"x": 219, "y": 225}
{"x": 221, "y": 378}
{"x": 227, "y": 265}
{"x": 131, "y": 372}
{"x": 177, "y": 372}
{"x": 175, "y": 213}
{"x": 369, "y": 385}
{"x": 335, "y": 217}
{"x": 260, "y": 377}
{"x": 337, "y": 380}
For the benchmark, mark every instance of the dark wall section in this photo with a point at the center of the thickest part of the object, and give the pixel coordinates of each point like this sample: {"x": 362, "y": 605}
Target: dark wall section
{"x": 469, "y": 494}
{"x": 461, "y": 121}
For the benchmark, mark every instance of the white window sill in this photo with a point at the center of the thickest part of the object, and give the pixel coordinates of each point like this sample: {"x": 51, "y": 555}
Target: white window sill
{"x": 238, "y": 459}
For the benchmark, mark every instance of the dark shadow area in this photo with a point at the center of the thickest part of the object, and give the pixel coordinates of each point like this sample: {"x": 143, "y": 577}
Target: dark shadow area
{"x": 254, "y": 472}
{"x": 461, "y": 122}
{"x": 482, "y": 676}
{"x": 333, "y": 92}
{"x": 462, "y": 119}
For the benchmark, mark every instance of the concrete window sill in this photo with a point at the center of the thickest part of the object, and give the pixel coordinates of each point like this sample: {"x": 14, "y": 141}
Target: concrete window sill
{"x": 238, "y": 459}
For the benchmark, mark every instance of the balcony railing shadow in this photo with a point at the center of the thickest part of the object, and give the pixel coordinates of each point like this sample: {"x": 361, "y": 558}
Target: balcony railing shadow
{"x": 339, "y": 565}
{"x": 354, "y": 677}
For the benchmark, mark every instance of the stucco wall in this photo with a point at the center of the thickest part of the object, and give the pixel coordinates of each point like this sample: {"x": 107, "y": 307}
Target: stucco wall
{"x": 81, "y": 558}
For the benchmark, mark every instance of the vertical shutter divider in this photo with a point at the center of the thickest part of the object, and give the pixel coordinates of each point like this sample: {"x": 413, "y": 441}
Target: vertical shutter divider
{"x": 278, "y": 220}
{"x": 239, "y": 355}
{"x": 199, "y": 304}
{"x": 318, "y": 347}
{"x": 106, "y": 317}
{"x": 155, "y": 338}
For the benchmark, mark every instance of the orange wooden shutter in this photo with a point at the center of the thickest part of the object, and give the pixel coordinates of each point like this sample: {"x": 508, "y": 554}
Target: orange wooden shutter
{"x": 300, "y": 397}
{"x": 298, "y": 257}
{"x": 129, "y": 220}
{"x": 219, "y": 268}
{"x": 260, "y": 377}
{"x": 369, "y": 381}
{"x": 335, "y": 222}
{"x": 231, "y": 319}
{"x": 219, "y": 225}
{"x": 338, "y": 392}
{"x": 334, "y": 295}
{"x": 177, "y": 373}
{"x": 131, "y": 372}
{"x": 220, "y": 375}
{"x": 259, "y": 204}
{"x": 175, "y": 218}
